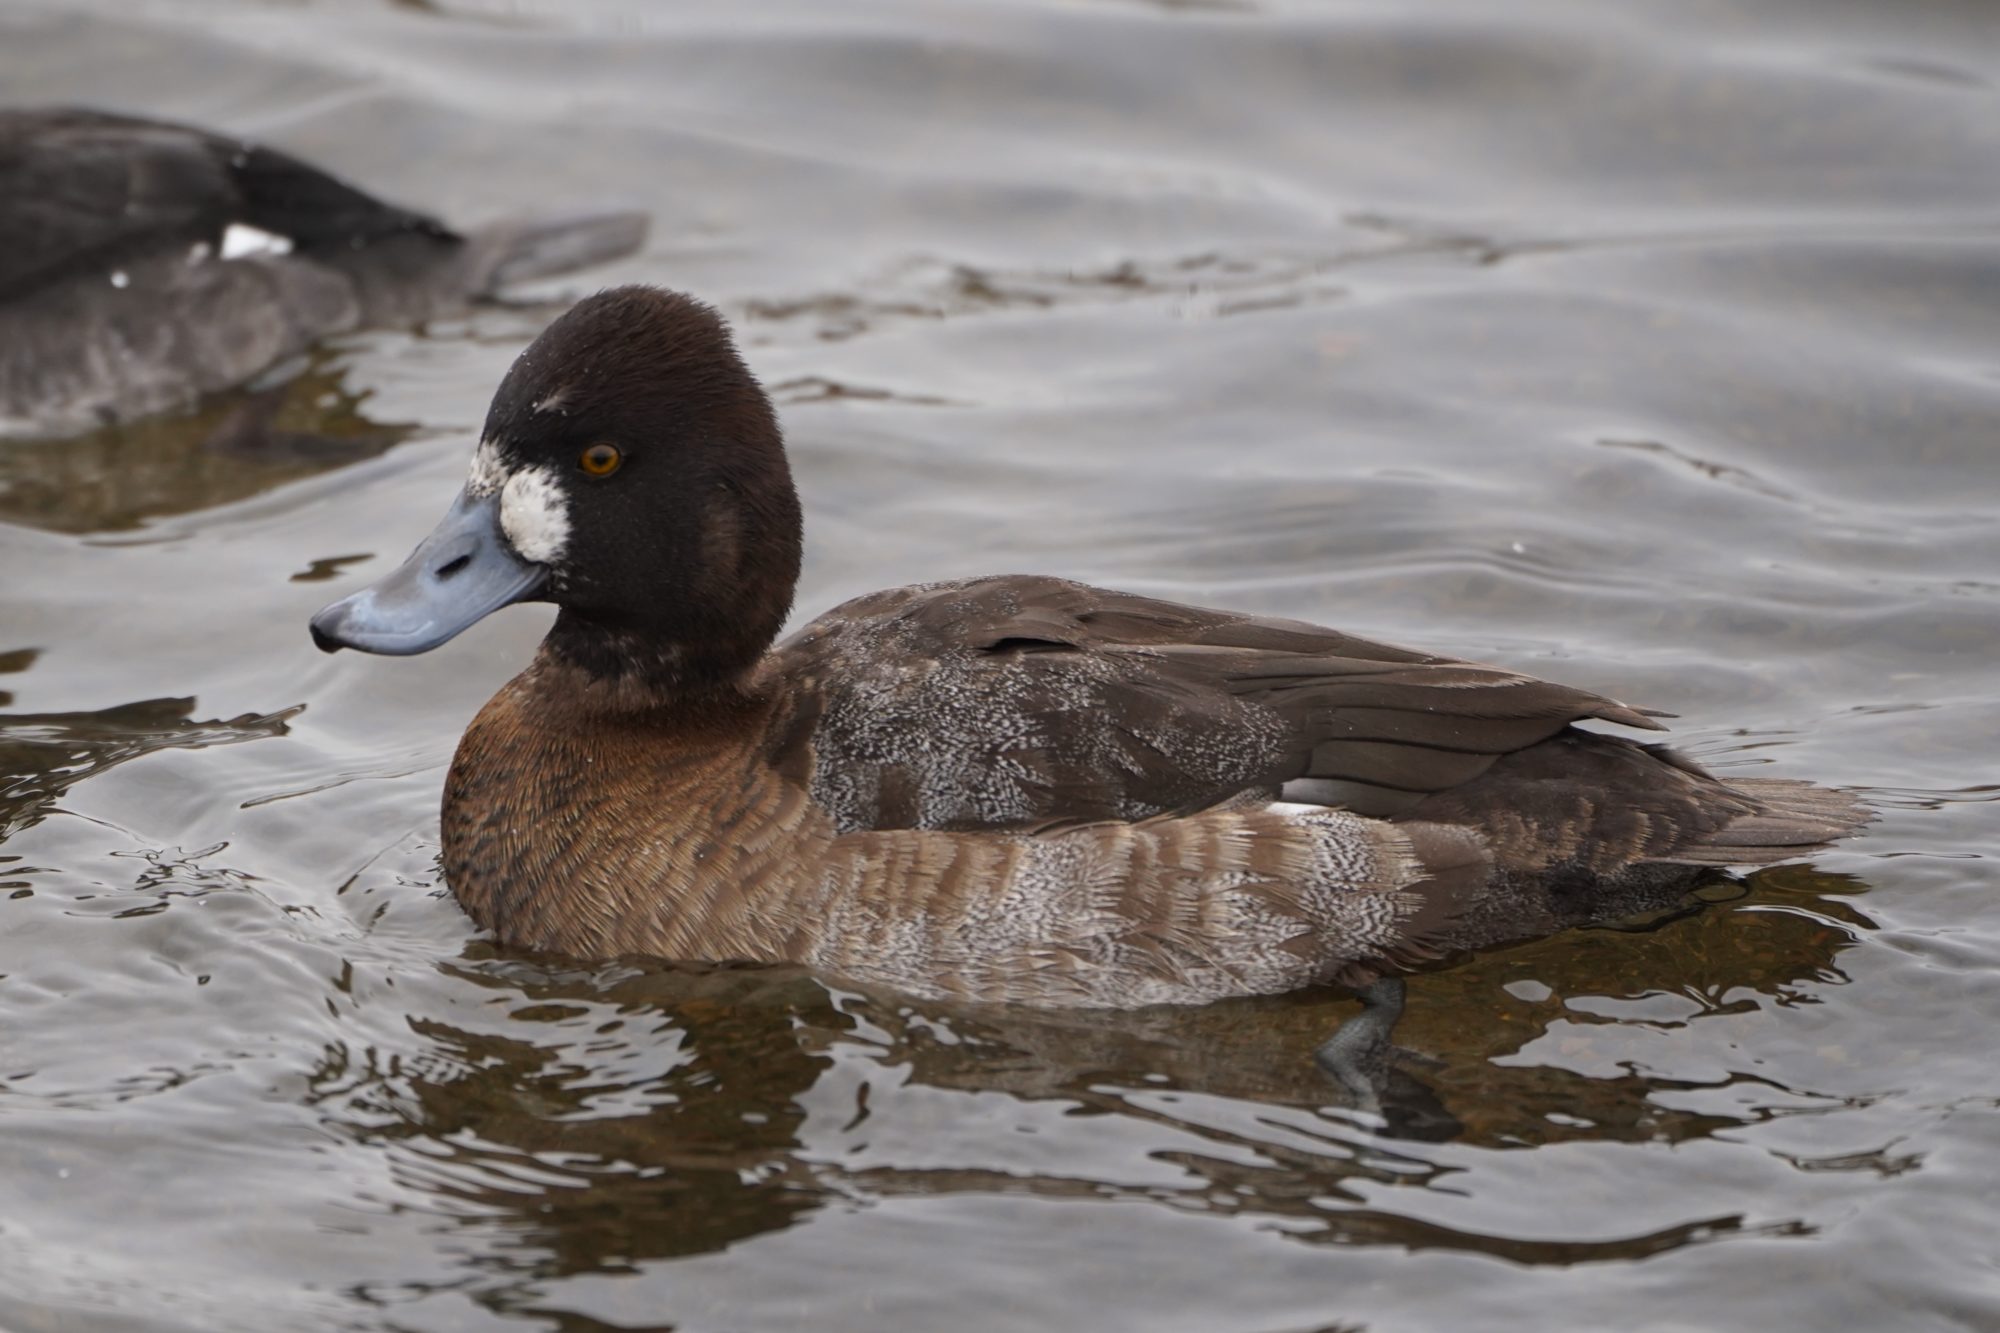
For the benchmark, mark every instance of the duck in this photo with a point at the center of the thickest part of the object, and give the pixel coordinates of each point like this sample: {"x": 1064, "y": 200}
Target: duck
{"x": 1014, "y": 789}
{"x": 145, "y": 263}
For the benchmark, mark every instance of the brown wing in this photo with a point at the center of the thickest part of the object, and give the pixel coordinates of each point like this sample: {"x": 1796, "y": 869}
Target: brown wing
{"x": 1018, "y": 700}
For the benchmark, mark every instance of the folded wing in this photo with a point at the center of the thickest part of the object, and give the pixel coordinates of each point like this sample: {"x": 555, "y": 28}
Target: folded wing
{"x": 1013, "y": 701}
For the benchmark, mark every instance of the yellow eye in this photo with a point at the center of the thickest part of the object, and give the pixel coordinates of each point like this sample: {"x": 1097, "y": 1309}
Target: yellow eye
{"x": 600, "y": 460}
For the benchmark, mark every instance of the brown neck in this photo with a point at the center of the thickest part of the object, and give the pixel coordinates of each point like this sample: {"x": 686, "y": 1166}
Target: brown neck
{"x": 612, "y": 674}
{"x": 638, "y": 667}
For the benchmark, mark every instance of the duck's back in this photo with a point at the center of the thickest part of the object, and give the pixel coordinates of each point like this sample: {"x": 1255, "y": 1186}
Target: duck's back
{"x": 88, "y": 190}
{"x": 1017, "y": 701}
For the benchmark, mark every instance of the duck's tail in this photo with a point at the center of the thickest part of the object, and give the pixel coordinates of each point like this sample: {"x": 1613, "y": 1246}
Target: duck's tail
{"x": 522, "y": 249}
{"x": 409, "y": 278}
{"x": 1789, "y": 819}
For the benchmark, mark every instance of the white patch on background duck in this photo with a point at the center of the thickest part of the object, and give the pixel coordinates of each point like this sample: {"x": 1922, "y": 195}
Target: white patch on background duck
{"x": 241, "y": 241}
{"x": 487, "y": 474}
{"x": 535, "y": 515}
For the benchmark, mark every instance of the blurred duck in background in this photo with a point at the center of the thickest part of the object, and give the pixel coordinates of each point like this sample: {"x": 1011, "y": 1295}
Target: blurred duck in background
{"x": 143, "y": 264}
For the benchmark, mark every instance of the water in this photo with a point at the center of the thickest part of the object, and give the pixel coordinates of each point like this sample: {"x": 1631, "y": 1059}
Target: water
{"x": 1649, "y": 347}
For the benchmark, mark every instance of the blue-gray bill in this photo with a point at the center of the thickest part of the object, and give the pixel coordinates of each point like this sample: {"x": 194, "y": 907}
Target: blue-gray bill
{"x": 464, "y": 571}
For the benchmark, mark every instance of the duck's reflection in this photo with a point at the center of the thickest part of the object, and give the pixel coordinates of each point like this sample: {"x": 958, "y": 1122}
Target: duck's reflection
{"x": 42, "y": 755}
{"x": 234, "y": 446}
{"x": 612, "y": 1115}
{"x": 601, "y": 1121}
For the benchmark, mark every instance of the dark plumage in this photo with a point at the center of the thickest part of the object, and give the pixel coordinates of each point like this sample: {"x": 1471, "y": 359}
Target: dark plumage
{"x": 119, "y": 296}
{"x": 1012, "y": 788}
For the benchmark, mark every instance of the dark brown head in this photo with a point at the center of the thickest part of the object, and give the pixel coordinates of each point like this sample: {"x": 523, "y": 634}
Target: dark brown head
{"x": 631, "y": 471}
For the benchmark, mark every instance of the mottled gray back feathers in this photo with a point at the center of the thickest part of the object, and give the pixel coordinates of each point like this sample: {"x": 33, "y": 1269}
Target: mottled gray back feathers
{"x": 1002, "y": 701}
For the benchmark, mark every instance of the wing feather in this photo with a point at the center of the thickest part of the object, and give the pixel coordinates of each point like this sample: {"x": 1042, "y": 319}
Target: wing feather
{"x": 1018, "y": 700}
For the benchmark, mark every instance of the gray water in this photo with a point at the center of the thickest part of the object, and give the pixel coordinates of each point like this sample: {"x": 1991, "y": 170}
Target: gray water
{"x": 1650, "y": 347}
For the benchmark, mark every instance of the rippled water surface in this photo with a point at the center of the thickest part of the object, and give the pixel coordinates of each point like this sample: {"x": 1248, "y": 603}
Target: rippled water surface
{"x": 1653, "y": 346}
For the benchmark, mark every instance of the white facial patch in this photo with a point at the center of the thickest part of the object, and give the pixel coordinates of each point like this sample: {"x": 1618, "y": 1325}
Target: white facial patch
{"x": 240, "y": 240}
{"x": 488, "y": 473}
{"x": 535, "y": 515}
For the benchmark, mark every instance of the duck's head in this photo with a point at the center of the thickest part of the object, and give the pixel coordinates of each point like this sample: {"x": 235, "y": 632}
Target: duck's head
{"x": 631, "y": 472}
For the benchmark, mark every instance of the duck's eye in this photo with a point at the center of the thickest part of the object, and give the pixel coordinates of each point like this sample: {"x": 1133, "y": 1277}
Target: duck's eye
{"x": 600, "y": 460}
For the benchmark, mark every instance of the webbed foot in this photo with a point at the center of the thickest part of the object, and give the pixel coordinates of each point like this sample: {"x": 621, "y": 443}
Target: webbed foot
{"x": 1357, "y": 1055}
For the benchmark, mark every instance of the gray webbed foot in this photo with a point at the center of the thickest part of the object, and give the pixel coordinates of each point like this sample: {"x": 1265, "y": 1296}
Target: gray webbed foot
{"x": 1357, "y": 1055}
{"x": 1366, "y": 1065}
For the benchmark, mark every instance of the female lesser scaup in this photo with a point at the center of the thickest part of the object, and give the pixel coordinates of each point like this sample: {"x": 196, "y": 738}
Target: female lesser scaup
{"x": 1003, "y": 789}
{"x": 143, "y": 264}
